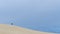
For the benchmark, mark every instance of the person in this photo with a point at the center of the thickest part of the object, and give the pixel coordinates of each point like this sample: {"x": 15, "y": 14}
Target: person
{"x": 11, "y": 23}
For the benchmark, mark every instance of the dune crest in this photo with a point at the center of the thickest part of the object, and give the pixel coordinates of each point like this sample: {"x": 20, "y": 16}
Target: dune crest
{"x": 9, "y": 29}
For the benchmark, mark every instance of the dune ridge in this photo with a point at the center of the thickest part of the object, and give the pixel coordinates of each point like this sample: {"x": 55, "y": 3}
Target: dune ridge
{"x": 11, "y": 29}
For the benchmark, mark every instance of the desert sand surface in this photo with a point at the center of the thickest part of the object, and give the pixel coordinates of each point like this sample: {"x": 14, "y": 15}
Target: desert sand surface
{"x": 10, "y": 29}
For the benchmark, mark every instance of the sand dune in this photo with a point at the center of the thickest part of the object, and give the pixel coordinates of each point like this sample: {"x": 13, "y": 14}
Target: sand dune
{"x": 8, "y": 29}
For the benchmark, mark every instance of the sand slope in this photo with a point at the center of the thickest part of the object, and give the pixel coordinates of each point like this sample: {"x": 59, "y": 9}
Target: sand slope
{"x": 8, "y": 29}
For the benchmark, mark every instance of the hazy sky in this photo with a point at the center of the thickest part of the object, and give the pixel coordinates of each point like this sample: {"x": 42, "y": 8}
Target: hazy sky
{"x": 43, "y": 15}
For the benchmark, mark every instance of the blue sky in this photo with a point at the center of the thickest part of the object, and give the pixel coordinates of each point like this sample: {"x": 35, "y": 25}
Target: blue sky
{"x": 42, "y": 15}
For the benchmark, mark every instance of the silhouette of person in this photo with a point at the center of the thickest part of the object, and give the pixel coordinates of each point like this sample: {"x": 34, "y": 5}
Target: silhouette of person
{"x": 11, "y": 23}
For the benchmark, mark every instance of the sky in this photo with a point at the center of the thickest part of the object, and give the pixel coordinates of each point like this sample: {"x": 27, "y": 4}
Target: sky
{"x": 41, "y": 15}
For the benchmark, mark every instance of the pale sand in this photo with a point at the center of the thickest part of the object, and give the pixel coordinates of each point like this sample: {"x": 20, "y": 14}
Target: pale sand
{"x": 8, "y": 29}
